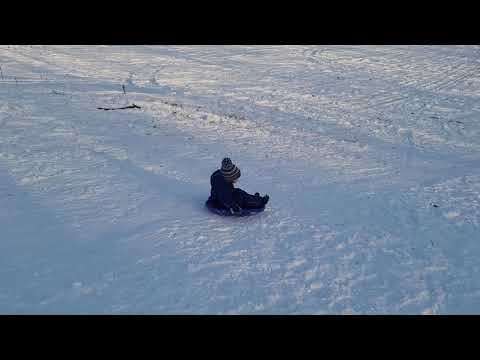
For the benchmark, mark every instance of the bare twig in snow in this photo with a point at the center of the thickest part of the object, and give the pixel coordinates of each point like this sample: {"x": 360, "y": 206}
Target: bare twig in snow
{"x": 133, "y": 106}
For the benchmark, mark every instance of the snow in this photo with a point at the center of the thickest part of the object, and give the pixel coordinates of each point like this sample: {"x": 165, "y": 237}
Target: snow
{"x": 369, "y": 155}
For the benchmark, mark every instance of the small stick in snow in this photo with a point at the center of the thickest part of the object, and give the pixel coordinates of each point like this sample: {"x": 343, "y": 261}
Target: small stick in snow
{"x": 133, "y": 106}
{"x": 124, "y": 92}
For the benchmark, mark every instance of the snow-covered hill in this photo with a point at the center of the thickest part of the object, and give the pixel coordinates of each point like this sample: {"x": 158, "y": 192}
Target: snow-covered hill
{"x": 370, "y": 155}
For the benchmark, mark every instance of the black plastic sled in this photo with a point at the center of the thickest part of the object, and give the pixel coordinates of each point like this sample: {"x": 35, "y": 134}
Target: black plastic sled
{"x": 225, "y": 212}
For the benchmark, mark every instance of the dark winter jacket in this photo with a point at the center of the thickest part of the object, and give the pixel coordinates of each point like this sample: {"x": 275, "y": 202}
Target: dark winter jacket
{"x": 222, "y": 190}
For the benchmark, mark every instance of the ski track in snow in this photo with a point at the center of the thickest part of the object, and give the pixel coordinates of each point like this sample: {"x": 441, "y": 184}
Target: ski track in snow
{"x": 369, "y": 154}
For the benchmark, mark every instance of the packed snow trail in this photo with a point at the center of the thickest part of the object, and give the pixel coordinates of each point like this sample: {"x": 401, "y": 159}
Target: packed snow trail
{"x": 370, "y": 156}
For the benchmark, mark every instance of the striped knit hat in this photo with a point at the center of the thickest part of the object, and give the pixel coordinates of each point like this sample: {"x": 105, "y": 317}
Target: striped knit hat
{"x": 229, "y": 170}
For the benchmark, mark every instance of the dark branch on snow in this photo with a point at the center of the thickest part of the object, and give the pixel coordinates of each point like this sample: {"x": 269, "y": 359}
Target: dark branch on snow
{"x": 133, "y": 106}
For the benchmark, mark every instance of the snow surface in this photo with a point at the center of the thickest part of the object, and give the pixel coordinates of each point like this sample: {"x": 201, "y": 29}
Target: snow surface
{"x": 370, "y": 155}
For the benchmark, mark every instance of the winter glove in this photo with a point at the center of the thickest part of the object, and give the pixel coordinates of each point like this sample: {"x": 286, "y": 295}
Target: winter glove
{"x": 236, "y": 210}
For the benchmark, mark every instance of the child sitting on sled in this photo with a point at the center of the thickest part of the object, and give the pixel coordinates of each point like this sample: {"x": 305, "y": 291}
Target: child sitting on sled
{"x": 224, "y": 195}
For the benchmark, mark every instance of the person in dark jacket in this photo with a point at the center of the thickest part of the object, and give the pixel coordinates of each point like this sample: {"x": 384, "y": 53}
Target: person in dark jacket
{"x": 224, "y": 195}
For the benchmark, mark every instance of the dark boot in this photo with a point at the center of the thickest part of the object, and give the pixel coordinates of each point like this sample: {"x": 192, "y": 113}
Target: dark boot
{"x": 265, "y": 199}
